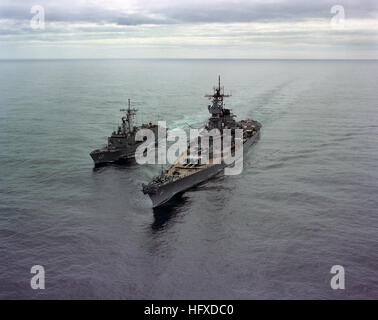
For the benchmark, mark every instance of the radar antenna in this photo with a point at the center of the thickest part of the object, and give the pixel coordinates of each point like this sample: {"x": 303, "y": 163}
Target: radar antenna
{"x": 218, "y": 92}
{"x": 130, "y": 113}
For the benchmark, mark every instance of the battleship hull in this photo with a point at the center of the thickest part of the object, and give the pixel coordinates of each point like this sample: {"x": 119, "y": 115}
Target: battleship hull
{"x": 162, "y": 194}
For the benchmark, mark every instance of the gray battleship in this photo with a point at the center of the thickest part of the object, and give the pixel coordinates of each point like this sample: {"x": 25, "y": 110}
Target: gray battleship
{"x": 121, "y": 144}
{"x": 186, "y": 173}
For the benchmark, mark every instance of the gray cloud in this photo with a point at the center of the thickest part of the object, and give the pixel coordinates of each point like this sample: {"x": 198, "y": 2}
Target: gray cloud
{"x": 264, "y": 26}
{"x": 167, "y": 12}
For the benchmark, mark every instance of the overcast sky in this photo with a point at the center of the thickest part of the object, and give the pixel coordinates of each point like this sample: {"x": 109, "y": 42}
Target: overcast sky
{"x": 190, "y": 29}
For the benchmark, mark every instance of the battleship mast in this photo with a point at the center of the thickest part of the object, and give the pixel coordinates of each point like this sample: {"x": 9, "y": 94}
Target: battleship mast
{"x": 216, "y": 108}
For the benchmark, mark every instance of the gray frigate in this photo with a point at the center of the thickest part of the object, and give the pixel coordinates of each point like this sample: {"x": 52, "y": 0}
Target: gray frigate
{"x": 121, "y": 144}
{"x": 186, "y": 173}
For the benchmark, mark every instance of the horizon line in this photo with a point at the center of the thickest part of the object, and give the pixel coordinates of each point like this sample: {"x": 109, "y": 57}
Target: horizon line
{"x": 255, "y": 59}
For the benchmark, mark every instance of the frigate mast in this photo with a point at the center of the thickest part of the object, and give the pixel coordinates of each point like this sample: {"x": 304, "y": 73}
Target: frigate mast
{"x": 130, "y": 113}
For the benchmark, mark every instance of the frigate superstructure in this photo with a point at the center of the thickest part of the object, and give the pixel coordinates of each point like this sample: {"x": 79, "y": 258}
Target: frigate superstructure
{"x": 186, "y": 173}
{"x": 121, "y": 144}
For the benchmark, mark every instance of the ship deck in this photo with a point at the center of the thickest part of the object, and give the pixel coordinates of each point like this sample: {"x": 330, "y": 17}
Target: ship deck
{"x": 182, "y": 169}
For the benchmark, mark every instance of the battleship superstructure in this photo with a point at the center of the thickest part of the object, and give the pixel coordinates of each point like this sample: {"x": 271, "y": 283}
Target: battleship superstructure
{"x": 121, "y": 144}
{"x": 186, "y": 173}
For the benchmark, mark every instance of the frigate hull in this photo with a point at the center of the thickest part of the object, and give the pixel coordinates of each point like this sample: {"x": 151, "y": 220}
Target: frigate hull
{"x": 121, "y": 144}
{"x": 102, "y": 157}
{"x": 165, "y": 192}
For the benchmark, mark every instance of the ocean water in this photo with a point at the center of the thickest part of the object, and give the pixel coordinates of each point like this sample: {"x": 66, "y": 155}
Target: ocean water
{"x": 307, "y": 198}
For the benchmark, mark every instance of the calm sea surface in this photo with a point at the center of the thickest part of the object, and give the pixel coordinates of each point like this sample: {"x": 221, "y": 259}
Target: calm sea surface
{"x": 307, "y": 198}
